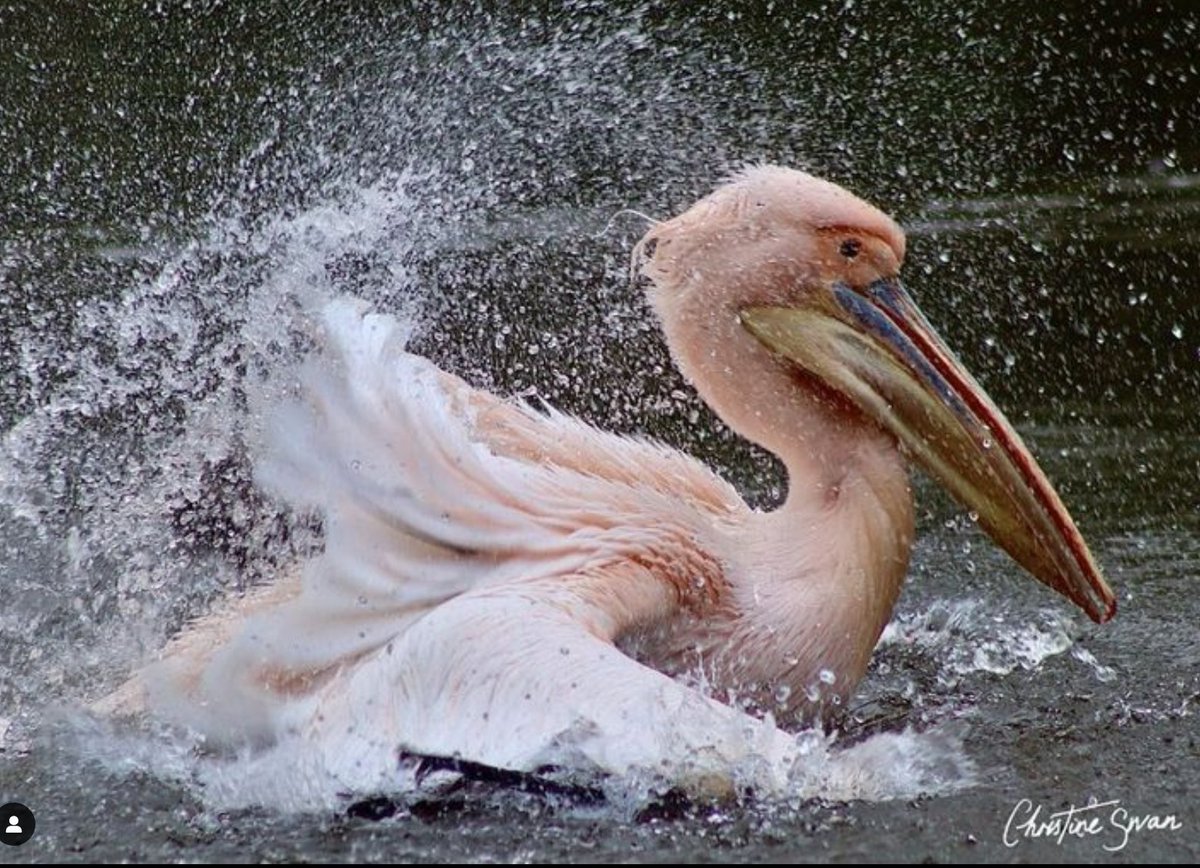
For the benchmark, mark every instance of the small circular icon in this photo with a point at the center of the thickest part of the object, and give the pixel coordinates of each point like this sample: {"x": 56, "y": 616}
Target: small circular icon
{"x": 17, "y": 822}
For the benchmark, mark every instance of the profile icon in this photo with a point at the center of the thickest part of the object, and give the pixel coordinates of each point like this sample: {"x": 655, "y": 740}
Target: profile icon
{"x": 17, "y": 823}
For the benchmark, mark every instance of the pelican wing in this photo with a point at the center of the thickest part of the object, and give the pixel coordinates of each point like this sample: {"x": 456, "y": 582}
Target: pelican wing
{"x": 524, "y": 676}
{"x": 429, "y": 490}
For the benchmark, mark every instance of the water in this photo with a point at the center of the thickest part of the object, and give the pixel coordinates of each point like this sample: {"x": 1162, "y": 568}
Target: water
{"x": 182, "y": 183}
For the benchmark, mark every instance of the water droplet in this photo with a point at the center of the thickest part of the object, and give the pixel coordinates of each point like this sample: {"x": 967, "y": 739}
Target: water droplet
{"x": 1177, "y": 331}
{"x": 782, "y": 694}
{"x": 827, "y": 676}
{"x": 812, "y": 693}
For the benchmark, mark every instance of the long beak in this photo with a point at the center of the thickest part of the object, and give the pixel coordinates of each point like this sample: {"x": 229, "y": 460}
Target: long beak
{"x": 876, "y": 347}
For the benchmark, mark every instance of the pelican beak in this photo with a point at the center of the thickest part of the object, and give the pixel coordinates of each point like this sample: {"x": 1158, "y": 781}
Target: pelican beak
{"x": 875, "y": 346}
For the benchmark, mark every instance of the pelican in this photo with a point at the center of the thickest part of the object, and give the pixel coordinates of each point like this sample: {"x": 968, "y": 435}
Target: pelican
{"x": 512, "y": 586}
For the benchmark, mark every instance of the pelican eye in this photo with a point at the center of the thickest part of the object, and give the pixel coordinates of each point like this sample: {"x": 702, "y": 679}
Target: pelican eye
{"x": 850, "y": 248}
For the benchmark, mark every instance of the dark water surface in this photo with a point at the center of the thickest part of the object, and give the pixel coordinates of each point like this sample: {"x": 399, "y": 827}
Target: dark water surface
{"x": 178, "y": 179}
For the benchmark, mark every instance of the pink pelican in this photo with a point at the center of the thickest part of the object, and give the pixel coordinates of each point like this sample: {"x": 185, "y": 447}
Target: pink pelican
{"x": 513, "y": 586}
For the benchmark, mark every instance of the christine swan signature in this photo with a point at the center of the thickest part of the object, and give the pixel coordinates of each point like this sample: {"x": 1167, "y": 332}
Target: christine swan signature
{"x": 1108, "y": 821}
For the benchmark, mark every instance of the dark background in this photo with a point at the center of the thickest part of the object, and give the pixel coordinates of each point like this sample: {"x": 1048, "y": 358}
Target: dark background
{"x": 173, "y": 175}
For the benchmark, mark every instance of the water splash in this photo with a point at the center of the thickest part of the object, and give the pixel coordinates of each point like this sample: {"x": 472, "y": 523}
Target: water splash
{"x": 968, "y": 636}
{"x": 294, "y": 776}
{"x": 128, "y": 488}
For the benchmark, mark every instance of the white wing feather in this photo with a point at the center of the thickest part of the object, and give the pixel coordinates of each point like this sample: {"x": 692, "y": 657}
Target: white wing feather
{"x": 480, "y": 559}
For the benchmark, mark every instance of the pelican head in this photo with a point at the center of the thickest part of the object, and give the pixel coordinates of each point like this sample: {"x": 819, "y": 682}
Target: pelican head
{"x": 781, "y": 298}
